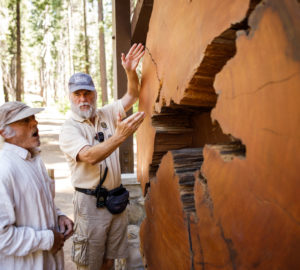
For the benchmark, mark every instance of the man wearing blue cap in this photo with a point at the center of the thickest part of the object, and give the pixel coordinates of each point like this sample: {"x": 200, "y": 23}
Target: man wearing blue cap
{"x": 100, "y": 236}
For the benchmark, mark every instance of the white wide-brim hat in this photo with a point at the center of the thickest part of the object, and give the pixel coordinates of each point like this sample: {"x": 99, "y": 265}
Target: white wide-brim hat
{"x": 11, "y": 112}
{"x": 24, "y": 114}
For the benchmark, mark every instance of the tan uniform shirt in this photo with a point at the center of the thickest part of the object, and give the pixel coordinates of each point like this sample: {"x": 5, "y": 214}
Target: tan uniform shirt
{"x": 77, "y": 133}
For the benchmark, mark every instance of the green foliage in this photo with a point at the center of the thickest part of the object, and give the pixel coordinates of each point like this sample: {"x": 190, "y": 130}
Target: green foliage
{"x": 46, "y": 17}
{"x": 12, "y": 29}
{"x": 63, "y": 105}
{"x": 79, "y": 54}
{"x": 135, "y": 107}
{"x": 53, "y": 44}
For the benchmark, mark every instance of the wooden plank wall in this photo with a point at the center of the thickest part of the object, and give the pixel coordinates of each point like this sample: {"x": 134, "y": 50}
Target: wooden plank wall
{"x": 218, "y": 153}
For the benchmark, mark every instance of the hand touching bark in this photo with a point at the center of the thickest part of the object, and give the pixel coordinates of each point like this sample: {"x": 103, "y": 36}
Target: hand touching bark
{"x": 131, "y": 60}
{"x": 129, "y": 125}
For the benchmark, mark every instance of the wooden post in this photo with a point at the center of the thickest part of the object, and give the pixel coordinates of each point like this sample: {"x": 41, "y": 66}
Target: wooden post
{"x": 140, "y": 21}
{"x": 121, "y": 44}
{"x": 51, "y": 173}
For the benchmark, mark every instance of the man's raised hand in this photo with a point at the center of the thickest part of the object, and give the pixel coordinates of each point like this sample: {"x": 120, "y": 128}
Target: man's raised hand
{"x": 131, "y": 60}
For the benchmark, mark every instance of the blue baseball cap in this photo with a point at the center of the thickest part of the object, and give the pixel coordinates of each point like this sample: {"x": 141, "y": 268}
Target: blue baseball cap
{"x": 81, "y": 81}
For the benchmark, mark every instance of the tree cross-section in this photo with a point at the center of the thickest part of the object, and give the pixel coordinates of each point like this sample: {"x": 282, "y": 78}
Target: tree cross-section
{"x": 218, "y": 151}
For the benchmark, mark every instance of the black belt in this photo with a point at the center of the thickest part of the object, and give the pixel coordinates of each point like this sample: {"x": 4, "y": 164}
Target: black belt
{"x": 92, "y": 192}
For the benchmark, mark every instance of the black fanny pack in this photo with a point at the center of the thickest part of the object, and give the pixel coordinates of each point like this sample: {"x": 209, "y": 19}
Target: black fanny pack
{"x": 114, "y": 200}
{"x": 117, "y": 200}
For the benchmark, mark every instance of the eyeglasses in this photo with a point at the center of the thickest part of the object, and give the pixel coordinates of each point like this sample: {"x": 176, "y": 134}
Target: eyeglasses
{"x": 100, "y": 137}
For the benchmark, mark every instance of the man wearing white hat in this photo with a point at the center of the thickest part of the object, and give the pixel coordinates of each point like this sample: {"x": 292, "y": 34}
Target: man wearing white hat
{"x": 32, "y": 229}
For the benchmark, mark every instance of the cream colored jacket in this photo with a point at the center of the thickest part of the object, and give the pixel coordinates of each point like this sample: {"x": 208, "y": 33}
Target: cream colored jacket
{"x": 27, "y": 212}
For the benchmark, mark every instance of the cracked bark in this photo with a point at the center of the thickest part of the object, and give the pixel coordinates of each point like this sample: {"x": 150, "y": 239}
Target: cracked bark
{"x": 284, "y": 210}
{"x": 267, "y": 85}
{"x": 157, "y": 75}
{"x": 214, "y": 218}
{"x": 230, "y": 246}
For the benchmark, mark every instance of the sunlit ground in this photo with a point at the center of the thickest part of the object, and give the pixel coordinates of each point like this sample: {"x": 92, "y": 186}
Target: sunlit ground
{"x": 50, "y": 122}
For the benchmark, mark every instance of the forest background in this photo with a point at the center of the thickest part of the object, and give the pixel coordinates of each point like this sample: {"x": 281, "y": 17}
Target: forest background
{"x": 43, "y": 42}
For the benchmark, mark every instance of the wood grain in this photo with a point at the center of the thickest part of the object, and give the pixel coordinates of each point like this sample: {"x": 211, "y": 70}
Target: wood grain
{"x": 218, "y": 153}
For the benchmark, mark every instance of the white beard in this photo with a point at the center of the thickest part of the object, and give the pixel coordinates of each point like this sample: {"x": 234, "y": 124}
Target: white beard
{"x": 87, "y": 114}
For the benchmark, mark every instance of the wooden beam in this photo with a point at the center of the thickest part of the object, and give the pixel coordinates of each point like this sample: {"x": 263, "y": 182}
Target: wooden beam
{"x": 121, "y": 44}
{"x": 140, "y": 21}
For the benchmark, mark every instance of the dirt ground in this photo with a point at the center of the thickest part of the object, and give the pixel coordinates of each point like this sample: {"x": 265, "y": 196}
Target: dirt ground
{"x": 50, "y": 122}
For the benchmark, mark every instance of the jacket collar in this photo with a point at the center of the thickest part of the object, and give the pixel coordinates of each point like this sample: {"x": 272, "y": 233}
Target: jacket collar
{"x": 22, "y": 152}
{"x": 78, "y": 118}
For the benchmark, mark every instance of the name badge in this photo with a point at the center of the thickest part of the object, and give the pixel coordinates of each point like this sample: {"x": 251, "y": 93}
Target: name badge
{"x": 103, "y": 125}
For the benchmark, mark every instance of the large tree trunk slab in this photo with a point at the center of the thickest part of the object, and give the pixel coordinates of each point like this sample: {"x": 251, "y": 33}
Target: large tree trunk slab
{"x": 187, "y": 44}
{"x": 218, "y": 153}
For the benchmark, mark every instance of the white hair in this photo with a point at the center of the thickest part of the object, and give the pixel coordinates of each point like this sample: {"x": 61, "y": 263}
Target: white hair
{"x": 8, "y": 132}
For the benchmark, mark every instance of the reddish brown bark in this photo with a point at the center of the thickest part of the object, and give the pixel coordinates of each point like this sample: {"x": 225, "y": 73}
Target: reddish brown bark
{"x": 237, "y": 208}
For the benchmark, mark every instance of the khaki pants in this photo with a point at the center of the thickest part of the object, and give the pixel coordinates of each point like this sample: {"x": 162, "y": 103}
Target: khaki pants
{"x": 97, "y": 233}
